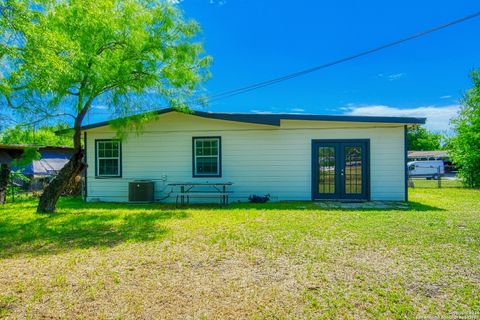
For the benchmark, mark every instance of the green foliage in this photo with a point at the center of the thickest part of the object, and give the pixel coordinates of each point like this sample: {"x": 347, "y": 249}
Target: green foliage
{"x": 70, "y": 54}
{"x": 464, "y": 147}
{"x": 44, "y": 136}
{"x": 18, "y": 175}
{"x": 420, "y": 139}
{"x": 28, "y": 155}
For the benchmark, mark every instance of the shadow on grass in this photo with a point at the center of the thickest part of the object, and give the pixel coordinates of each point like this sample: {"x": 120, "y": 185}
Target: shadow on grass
{"x": 274, "y": 206}
{"x": 297, "y": 205}
{"x": 80, "y": 225}
{"x": 277, "y": 206}
{"x": 404, "y": 207}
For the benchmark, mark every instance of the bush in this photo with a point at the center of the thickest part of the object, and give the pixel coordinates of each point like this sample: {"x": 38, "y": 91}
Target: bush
{"x": 259, "y": 199}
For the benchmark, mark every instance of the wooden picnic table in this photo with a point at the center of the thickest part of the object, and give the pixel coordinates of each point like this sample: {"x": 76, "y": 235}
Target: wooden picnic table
{"x": 197, "y": 190}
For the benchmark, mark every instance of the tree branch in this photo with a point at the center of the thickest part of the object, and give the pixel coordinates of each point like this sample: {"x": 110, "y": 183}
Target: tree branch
{"x": 26, "y": 124}
{"x": 73, "y": 93}
{"x": 136, "y": 75}
{"x": 59, "y": 114}
{"x": 110, "y": 45}
{"x": 20, "y": 88}
{"x": 77, "y": 144}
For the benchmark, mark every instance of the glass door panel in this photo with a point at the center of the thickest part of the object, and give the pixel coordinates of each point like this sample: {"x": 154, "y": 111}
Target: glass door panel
{"x": 353, "y": 170}
{"x": 326, "y": 170}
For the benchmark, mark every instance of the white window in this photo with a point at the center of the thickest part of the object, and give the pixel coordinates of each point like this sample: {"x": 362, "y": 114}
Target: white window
{"x": 108, "y": 154}
{"x": 207, "y": 157}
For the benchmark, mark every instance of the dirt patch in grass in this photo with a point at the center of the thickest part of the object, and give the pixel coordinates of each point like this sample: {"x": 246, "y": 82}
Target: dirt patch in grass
{"x": 133, "y": 281}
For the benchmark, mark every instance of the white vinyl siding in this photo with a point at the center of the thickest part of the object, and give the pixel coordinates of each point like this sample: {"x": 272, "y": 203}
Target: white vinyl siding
{"x": 257, "y": 159}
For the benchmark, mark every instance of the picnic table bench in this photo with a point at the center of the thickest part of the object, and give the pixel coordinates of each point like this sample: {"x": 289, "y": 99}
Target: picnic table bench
{"x": 201, "y": 190}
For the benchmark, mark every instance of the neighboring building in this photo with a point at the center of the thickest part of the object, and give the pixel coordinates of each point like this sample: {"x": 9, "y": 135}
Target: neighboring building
{"x": 428, "y": 155}
{"x": 289, "y": 156}
{"x": 9, "y": 152}
{"x": 39, "y": 171}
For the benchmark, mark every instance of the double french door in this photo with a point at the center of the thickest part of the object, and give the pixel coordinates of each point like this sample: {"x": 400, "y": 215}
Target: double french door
{"x": 340, "y": 169}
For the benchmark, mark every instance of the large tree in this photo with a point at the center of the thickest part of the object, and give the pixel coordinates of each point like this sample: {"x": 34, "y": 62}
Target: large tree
{"x": 464, "y": 146}
{"x": 420, "y": 139}
{"x": 62, "y": 57}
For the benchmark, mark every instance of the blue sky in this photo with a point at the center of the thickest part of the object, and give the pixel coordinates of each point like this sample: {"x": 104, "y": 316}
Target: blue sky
{"x": 252, "y": 41}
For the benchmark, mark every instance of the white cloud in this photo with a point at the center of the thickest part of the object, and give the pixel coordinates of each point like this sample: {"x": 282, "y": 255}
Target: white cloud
{"x": 445, "y": 97}
{"x": 438, "y": 118}
{"x": 393, "y": 76}
{"x": 260, "y": 111}
{"x": 273, "y": 110}
{"x": 212, "y": 2}
{"x": 100, "y": 107}
{"x": 297, "y": 110}
{"x": 218, "y": 2}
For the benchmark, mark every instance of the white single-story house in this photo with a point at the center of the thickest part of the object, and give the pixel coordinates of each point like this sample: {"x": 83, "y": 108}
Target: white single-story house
{"x": 288, "y": 156}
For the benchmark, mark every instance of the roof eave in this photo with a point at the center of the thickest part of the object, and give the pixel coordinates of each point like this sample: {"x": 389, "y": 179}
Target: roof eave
{"x": 275, "y": 119}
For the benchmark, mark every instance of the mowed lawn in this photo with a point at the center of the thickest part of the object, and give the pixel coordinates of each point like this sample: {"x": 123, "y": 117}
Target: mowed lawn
{"x": 289, "y": 260}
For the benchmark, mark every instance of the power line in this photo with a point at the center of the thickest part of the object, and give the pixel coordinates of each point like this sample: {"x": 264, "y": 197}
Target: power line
{"x": 297, "y": 74}
{"x": 258, "y": 85}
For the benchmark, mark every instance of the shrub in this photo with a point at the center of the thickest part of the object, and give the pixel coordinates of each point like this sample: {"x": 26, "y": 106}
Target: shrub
{"x": 259, "y": 199}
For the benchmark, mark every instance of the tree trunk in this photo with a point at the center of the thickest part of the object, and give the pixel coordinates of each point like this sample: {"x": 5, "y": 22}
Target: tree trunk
{"x": 53, "y": 191}
{"x": 4, "y": 176}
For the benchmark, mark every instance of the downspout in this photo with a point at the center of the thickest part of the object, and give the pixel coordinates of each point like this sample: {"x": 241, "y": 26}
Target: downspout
{"x": 85, "y": 189}
{"x": 405, "y": 134}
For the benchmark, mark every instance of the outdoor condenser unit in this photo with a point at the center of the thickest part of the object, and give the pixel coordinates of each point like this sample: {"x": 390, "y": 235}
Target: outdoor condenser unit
{"x": 141, "y": 191}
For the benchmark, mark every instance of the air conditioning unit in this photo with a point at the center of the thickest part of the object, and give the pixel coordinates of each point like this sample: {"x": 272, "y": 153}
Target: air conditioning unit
{"x": 141, "y": 191}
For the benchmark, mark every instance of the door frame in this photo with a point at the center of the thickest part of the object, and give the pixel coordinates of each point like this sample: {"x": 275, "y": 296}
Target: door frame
{"x": 314, "y": 167}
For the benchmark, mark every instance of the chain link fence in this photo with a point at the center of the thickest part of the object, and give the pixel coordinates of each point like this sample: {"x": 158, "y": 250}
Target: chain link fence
{"x": 434, "y": 179}
{"x": 21, "y": 186}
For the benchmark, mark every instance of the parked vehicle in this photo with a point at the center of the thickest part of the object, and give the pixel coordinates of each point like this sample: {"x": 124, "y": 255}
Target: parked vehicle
{"x": 430, "y": 169}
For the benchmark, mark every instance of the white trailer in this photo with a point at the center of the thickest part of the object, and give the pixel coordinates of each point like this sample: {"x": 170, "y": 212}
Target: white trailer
{"x": 430, "y": 169}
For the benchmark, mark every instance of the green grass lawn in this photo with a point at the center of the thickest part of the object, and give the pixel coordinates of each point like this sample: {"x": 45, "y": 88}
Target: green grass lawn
{"x": 424, "y": 183}
{"x": 289, "y": 260}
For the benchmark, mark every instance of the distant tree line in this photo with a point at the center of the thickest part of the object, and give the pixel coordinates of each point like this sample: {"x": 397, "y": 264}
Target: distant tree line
{"x": 421, "y": 139}
{"x": 43, "y": 136}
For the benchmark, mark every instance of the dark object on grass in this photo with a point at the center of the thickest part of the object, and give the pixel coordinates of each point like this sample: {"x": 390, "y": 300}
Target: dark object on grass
{"x": 259, "y": 199}
{"x": 4, "y": 174}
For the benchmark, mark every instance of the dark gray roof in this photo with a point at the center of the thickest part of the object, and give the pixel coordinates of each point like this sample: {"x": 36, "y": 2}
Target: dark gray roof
{"x": 274, "y": 119}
